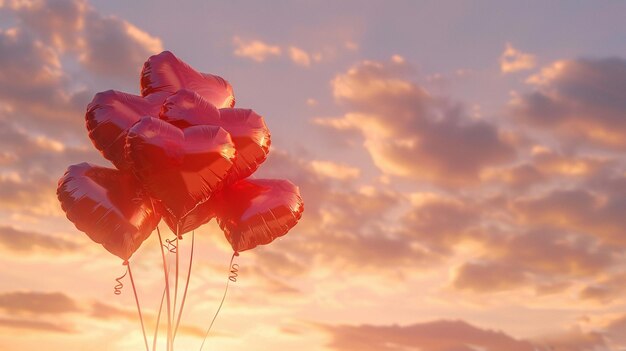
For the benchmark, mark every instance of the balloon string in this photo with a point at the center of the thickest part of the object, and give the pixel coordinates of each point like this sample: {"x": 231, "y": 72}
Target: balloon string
{"x": 234, "y": 268}
{"x": 167, "y": 294}
{"x": 232, "y": 277}
{"x": 117, "y": 289}
{"x": 158, "y": 320}
{"x": 171, "y": 245}
{"x": 132, "y": 282}
{"x": 178, "y": 238}
{"x": 182, "y": 304}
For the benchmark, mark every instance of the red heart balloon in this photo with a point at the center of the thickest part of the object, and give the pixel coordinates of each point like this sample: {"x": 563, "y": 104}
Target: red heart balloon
{"x": 200, "y": 215}
{"x": 180, "y": 167}
{"x": 109, "y": 116}
{"x": 247, "y": 129}
{"x": 254, "y": 212}
{"x": 109, "y": 206}
{"x": 167, "y": 73}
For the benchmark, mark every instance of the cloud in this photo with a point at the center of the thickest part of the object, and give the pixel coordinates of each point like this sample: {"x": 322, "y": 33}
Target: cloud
{"x": 101, "y": 310}
{"x": 55, "y": 22}
{"x": 104, "y": 311}
{"x": 19, "y": 241}
{"x": 299, "y": 56}
{"x": 344, "y": 226}
{"x": 42, "y": 114}
{"x": 444, "y": 335}
{"x": 576, "y": 340}
{"x": 489, "y": 277}
{"x": 106, "y": 45}
{"x": 517, "y": 177}
{"x": 454, "y": 335}
{"x": 261, "y": 51}
{"x": 545, "y": 260}
{"x": 334, "y": 170}
{"x": 427, "y": 223}
{"x": 32, "y": 166}
{"x": 545, "y": 168}
{"x": 616, "y": 330}
{"x": 67, "y": 43}
{"x": 38, "y": 326}
{"x": 513, "y": 60}
{"x": 605, "y": 290}
{"x": 35, "y": 87}
{"x": 116, "y": 47}
{"x": 595, "y": 213}
{"x": 411, "y": 134}
{"x": 256, "y": 50}
{"x": 33, "y": 302}
{"x": 582, "y": 101}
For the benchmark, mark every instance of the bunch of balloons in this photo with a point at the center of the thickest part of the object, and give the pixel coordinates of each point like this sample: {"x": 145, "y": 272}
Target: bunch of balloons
{"x": 182, "y": 153}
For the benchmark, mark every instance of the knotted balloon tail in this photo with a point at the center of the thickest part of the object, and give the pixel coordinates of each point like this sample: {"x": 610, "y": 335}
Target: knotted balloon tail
{"x": 232, "y": 277}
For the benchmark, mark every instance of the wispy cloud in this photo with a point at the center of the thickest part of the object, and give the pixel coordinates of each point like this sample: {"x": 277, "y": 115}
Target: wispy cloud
{"x": 444, "y": 335}
{"x": 299, "y": 56}
{"x": 33, "y": 325}
{"x": 35, "y": 302}
{"x": 20, "y": 241}
{"x": 261, "y": 51}
{"x": 513, "y": 60}
{"x": 256, "y": 50}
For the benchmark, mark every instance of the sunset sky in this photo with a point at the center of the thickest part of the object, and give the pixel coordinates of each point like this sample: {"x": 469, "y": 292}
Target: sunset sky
{"x": 461, "y": 162}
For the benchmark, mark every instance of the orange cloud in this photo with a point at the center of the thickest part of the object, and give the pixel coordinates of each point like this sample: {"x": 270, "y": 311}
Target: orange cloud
{"x": 605, "y": 290}
{"x": 593, "y": 213}
{"x": 299, "y": 56}
{"x": 37, "y": 303}
{"x": 112, "y": 46}
{"x": 105, "y": 45}
{"x": 444, "y": 335}
{"x": 19, "y": 241}
{"x": 409, "y": 133}
{"x": 256, "y": 50}
{"x": 458, "y": 335}
{"x": 544, "y": 260}
{"x": 581, "y": 100}
{"x": 334, "y": 170}
{"x": 513, "y": 60}
{"x": 348, "y": 222}
{"x": 35, "y": 326}
{"x": 428, "y": 222}
{"x": 57, "y": 23}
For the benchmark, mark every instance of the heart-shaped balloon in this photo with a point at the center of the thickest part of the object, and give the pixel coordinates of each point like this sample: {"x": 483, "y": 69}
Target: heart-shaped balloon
{"x": 167, "y": 73}
{"x": 180, "y": 167}
{"x": 200, "y": 215}
{"x": 254, "y": 212}
{"x": 247, "y": 129}
{"x": 109, "y": 206}
{"x": 109, "y": 116}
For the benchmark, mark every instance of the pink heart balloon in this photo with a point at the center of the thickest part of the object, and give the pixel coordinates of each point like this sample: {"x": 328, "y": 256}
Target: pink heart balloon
{"x": 109, "y": 206}
{"x": 180, "y": 167}
{"x": 254, "y": 212}
{"x": 109, "y": 116}
{"x": 200, "y": 215}
{"x": 247, "y": 129}
{"x": 167, "y": 73}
